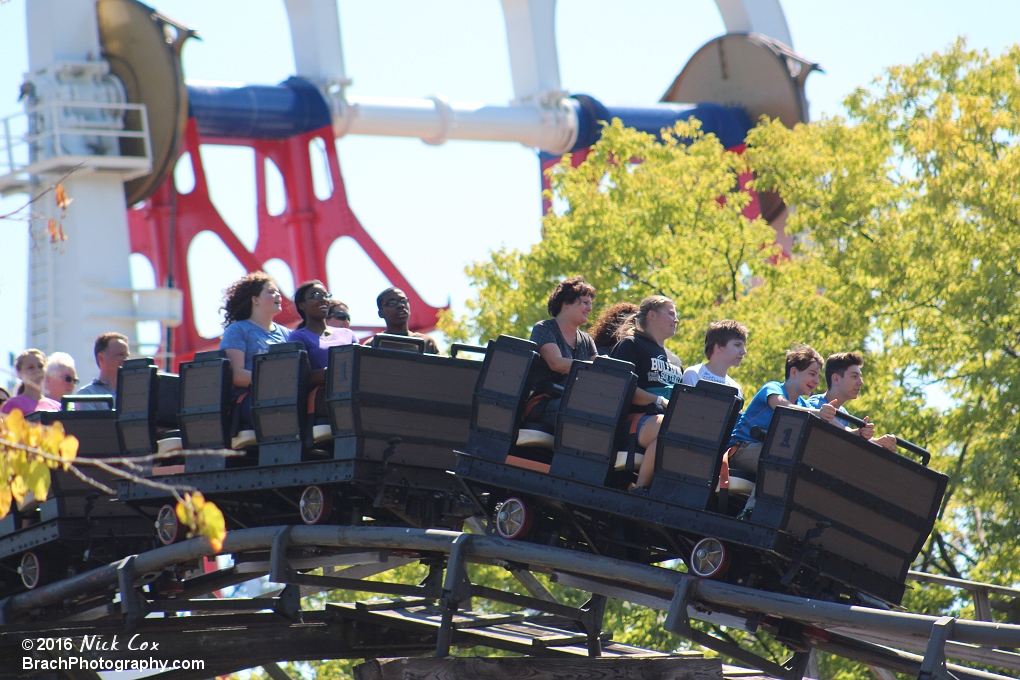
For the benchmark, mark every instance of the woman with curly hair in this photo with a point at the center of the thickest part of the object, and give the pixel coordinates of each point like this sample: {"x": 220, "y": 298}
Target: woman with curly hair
{"x": 249, "y": 306}
{"x": 606, "y": 330}
{"x": 560, "y": 342}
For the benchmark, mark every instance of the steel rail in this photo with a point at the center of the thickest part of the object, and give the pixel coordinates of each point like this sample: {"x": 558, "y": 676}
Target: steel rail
{"x": 484, "y": 548}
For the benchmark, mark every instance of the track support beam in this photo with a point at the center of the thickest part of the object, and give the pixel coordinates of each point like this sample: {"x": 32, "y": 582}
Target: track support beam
{"x": 934, "y": 665}
{"x": 456, "y": 589}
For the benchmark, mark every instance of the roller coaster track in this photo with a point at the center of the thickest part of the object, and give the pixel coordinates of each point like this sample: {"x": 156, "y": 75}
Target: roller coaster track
{"x": 230, "y": 634}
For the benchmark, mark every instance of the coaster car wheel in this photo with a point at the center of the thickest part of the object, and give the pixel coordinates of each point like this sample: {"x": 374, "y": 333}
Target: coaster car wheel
{"x": 315, "y": 506}
{"x": 31, "y": 569}
{"x": 168, "y": 528}
{"x": 514, "y": 518}
{"x": 710, "y": 558}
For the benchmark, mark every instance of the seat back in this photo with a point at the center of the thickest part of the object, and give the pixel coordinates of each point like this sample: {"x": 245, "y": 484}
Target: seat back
{"x": 500, "y": 394}
{"x": 404, "y": 343}
{"x": 881, "y": 505}
{"x": 593, "y": 410}
{"x": 692, "y": 438}
{"x": 69, "y": 496}
{"x": 147, "y": 401}
{"x": 204, "y": 404}
{"x": 96, "y": 430}
{"x": 400, "y": 407}
{"x": 279, "y": 403}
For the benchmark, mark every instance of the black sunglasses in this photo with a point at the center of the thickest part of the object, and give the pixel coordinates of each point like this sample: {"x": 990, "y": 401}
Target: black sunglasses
{"x": 318, "y": 295}
{"x": 340, "y": 316}
{"x": 69, "y": 379}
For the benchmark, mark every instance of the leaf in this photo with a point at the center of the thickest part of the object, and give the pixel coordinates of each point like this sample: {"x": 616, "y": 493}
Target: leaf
{"x": 214, "y": 525}
{"x": 69, "y": 450}
{"x": 16, "y": 427}
{"x": 63, "y": 201}
{"x": 38, "y": 480}
{"x": 185, "y": 512}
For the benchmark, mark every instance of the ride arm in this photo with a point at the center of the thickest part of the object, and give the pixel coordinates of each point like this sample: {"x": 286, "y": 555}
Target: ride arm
{"x": 903, "y": 443}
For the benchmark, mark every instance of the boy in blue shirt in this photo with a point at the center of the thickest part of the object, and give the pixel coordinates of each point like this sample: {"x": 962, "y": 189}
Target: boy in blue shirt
{"x": 844, "y": 380}
{"x": 803, "y": 372}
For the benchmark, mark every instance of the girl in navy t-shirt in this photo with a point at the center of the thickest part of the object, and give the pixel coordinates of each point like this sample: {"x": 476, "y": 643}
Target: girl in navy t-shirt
{"x": 657, "y": 370}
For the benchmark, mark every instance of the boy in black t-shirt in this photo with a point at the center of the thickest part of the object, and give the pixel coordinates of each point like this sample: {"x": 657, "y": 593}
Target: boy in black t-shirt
{"x": 395, "y": 310}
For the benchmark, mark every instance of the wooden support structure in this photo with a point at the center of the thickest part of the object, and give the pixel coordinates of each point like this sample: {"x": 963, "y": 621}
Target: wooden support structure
{"x": 508, "y": 668}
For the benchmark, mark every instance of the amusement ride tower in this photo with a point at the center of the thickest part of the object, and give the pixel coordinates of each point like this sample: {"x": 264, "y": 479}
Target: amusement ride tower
{"x": 108, "y": 114}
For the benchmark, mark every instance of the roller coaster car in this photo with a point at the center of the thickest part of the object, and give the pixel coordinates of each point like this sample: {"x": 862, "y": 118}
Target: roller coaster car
{"x": 279, "y": 405}
{"x": 395, "y": 418}
{"x": 866, "y": 505}
{"x": 205, "y": 409}
{"x": 79, "y": 526}
{"x": 399, "y": 407}
{"x": 579, "y": 500}
{"x": 147, "y": 414}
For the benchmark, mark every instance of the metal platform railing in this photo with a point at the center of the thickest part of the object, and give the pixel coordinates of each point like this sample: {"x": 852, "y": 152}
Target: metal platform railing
{"x": 979, "y": 592}
{"x": 58, "y": 137}
{"x": 434, "y": 610}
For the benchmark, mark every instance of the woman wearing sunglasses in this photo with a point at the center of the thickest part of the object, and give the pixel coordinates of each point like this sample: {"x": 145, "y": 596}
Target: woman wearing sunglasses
{"x": 61, "y": 376}
{"x": 313, "y": 303}
{"x": 339, "y": 315}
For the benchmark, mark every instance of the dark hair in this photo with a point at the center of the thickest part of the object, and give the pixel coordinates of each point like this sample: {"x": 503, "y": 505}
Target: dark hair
{"x": 299, "y": 297}
{"x": 837, "y": 364}
{"x": 380, "y": 296}
{"x": 721, "y": 332}
{"x": 801, "y": 356}
{"x": 606, "y": 326}
{"x": 567, "y": 292}
{"x": 104, "y": 340}
{"x": 237, "y": 298}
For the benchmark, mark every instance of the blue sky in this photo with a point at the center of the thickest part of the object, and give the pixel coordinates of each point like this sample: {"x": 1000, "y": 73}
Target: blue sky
{"x": 436, "y": 209}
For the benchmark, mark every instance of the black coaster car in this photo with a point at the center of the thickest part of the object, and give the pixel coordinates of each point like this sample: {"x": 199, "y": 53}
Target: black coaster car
{"x": 823, "y": 525}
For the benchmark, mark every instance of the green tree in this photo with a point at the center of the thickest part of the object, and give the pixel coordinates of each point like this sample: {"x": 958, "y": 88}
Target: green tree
{"x": 906, "y": 229}
{"x": 911, "y": 204}
{"x": 671, "y": 224}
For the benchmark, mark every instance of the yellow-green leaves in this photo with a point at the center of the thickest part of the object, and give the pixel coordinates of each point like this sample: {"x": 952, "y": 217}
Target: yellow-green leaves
{"x": 202, "y": 519}
{"x": 23, "y": 470}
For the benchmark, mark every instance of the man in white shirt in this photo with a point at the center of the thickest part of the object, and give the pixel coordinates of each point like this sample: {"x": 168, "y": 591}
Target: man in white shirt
{"x": 724, "y": 349}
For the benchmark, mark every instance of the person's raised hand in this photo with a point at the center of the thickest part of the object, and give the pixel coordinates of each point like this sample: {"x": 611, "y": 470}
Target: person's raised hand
{"x": 867, "y": 430}
{"x": 828, "y": 411}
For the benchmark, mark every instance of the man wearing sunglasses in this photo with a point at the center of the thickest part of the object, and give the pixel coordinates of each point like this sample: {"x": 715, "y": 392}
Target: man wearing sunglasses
{"x": 395, "y": 310}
